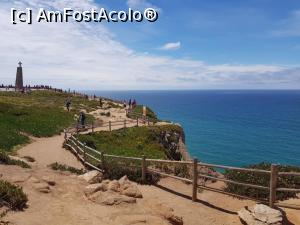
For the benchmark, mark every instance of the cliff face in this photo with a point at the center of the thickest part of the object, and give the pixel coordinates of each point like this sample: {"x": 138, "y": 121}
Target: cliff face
{"x": 173, "y": 140}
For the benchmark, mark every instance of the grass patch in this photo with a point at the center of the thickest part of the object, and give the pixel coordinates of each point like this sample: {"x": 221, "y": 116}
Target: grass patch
{"x": 12, "y": 196}
{"x": 263, "y": 180}
{"x": 39, "y": 113}
{"x": 6, "y": 160}
{"x": 139, "y": 110}
{"x": 134, "y": 141}
{"x": 61, "y": 167}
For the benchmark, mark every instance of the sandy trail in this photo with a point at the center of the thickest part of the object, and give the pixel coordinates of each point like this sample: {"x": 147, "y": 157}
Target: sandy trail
{"x": 49, "y": 150}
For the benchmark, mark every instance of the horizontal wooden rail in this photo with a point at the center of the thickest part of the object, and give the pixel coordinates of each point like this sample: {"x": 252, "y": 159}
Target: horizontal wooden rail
{"x": 289, "y": 174}
{"x": 288, "y": 189}
{"x": 234, "y": 168}
{"x": 122, "y": 157}
{"x": 169, "y": 161}
{"x": 169, "y": 175}
{"x": 231, "y": 194}
{"x": 234, "y": 182}
{"x": 94, "y": 167}
{"x": 93, "y": 150}
{"x": 89, "y": 155}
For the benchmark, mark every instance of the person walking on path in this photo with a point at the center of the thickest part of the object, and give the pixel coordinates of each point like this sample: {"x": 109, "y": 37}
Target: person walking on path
{"x": 82, "y": 118}
{"x": 133, "y": 104}
{"x": 100, "y": 102}
{"x": 68, "y": 104}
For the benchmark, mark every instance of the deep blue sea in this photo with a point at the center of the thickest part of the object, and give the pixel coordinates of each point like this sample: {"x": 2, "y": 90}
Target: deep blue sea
{"x": 230, "y": 127}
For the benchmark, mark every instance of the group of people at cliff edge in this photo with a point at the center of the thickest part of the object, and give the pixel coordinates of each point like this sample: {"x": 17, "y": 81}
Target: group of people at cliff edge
{"x": 82, "y": 117}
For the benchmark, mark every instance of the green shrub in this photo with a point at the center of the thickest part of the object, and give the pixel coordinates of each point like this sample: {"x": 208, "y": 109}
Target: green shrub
{"x": 6, "y": 160}
{"x": 117, "y": 169}
{"x": 61, "y": 167}
{"x": 262, "y": 180}
{"x": 12, "y": 196}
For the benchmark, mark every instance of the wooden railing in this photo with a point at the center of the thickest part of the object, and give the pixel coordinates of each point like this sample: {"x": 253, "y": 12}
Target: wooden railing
{"x": 138, "y": 121}
{"x": 96, "y": 160}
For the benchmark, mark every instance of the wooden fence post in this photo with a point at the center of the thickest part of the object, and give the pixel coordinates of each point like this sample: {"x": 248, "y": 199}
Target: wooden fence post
{"x": 137, "y": 121}
{"x": 273, "y": 184}
{"x": 84, "y": 153}
{"x": 144, "y": 169}
{"x": 195, "y": 179}
{"x": 65, "y": 136}
{"x": 109, "y": 125}
{"x": 102, "y": 160}
{"x": 125, "y": 123}
{"x": 92, "y": 126}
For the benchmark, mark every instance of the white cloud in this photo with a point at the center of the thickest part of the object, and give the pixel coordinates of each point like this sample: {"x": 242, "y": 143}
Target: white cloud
{"x": 171, "y": 46}
{"x": 87, "y": 56}
{"x": 289, "y": 27}
{"x": 141, "y": 5}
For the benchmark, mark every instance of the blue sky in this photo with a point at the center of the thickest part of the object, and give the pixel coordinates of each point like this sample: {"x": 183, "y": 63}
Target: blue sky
{"x": 230, "y": 31}
{"x": 250, "y": 44}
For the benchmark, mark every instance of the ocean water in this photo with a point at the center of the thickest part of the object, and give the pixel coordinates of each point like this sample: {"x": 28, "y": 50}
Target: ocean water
{"x": 234, "y": 128}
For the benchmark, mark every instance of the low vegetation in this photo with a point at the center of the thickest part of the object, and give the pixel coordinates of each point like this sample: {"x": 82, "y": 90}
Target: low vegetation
{"x": 135, "y": 141}
{"x": 263, "y": 180}
{"x": 12, "y": 196}
{"x": 116, "y": 168}
{"x": 138, "y": 110}
{"x": 6, "y": 160}
{"x": 39, "y": 113}
{"x": 62, "y": 167}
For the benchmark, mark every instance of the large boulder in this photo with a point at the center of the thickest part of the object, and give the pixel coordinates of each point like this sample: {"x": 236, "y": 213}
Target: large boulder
{"x": 92, "y": 177}
{"x": 92, "y": 188}
{"x": 261, "y": 215}
{"x": 131, "y": 191}
{"x": 114, "y": 186}
{"x": 128, "y": 188}
{"x": 124, "y": 180}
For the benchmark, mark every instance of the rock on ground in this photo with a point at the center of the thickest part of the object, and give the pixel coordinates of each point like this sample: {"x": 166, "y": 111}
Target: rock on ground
{"x": 114, "y": 186}
{"x": 165, "y": 212}
{"x": 42, "y": 187}
{"x": 49, "y": 180}
{"x": 261, "y": 215}
{"x": 92, "y": 188}
{"x": 138, "y": 219}
{"x": 92, "y": 177}
{"x": 113, "y": 192}
{"x": 131, "y": 191}
{"x": 110, "y": 198}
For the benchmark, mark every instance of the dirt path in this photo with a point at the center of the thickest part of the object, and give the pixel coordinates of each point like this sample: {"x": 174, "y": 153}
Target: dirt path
{"x": 49, "y": 150}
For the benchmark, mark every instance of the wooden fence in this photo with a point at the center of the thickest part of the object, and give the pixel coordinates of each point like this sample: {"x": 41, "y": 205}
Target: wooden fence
{"x": 93, "y": 158}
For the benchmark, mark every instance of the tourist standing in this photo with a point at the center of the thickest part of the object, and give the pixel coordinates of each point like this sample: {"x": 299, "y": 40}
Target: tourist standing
{"x": 68, "y": 104}
{"x": 82, "y": 119}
